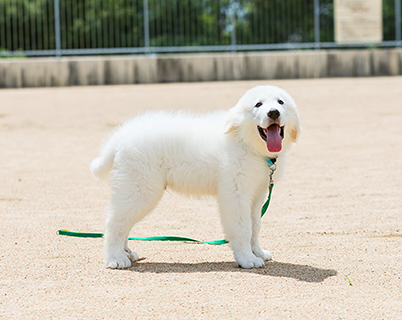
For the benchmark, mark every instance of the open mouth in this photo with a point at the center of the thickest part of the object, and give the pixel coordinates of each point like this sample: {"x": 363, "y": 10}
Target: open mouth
{"x": 273, "y": 136}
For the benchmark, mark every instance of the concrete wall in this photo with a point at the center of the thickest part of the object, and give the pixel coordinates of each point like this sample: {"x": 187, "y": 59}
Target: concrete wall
{"x": 75, "y": 71}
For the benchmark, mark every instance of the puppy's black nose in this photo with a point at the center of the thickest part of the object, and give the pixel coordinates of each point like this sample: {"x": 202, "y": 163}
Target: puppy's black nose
{"x": 273, "y": 114}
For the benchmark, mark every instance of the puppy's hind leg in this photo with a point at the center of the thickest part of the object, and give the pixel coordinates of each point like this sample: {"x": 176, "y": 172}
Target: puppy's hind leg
{"x": 130, "y": 203}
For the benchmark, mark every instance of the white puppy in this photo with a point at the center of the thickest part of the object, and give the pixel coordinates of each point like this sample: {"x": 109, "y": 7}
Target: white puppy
{"x": 222, "y": 154}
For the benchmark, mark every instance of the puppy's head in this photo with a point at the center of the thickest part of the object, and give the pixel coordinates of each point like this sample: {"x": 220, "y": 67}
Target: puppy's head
{"x": 265, "y": 118}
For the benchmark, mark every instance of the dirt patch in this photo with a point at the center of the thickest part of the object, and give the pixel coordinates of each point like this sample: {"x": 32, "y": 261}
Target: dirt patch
{"x": 333, "y": 225}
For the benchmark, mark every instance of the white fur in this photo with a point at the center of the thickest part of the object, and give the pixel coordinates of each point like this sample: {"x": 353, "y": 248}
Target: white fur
{"x": 219, "y": 153}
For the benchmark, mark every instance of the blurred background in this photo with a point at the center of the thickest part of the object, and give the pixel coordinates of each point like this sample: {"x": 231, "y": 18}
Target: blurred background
{"x": 76, "y": 27}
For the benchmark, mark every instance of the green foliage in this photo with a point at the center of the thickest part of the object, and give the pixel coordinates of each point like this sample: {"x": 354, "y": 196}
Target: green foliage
{"x": 24, "y": 24}
{"x": 188, "y": 22}
{"x": 388, "y": 16}
{"x": 29, "y": 24}
{"x": 5, "y": 54}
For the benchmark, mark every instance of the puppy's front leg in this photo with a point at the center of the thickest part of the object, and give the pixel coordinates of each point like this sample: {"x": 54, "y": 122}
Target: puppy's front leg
{"x": 235, "y": 211}
{"x": 256, "y": 226}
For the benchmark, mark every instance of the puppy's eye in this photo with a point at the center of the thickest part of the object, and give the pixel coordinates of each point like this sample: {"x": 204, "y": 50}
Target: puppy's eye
{"x": 281, "y": 101}
{"x": 259, "y": 104}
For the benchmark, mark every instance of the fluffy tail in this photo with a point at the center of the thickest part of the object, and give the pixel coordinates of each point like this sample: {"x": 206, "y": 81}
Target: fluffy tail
{"x": 101, "y": 166}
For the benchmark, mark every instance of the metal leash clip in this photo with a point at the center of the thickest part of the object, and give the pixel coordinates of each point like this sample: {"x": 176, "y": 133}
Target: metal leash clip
{"x": 272, "y": 169}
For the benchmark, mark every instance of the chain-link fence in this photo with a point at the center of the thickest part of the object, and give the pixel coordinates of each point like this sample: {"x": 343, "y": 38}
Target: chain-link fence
{"x": 74, "y": 27}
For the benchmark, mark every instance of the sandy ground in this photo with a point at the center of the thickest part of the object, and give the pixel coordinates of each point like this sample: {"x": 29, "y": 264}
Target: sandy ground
{"x": 334, "y": 225}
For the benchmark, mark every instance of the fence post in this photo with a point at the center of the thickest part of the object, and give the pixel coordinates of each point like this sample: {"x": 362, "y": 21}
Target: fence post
{"x": 57, "y": 28}
{"x": 233, "y": 23}
{"x": 146, "y": 26}
{"x": 398, "y": 23}
{"x": 317, "y": 24}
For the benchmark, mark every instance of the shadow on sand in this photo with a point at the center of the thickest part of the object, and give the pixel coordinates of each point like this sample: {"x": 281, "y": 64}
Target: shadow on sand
{"x": 274, "y": 269}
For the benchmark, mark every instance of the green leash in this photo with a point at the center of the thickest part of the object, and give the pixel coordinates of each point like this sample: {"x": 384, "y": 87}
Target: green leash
{"x": 272, "y": 168}
{"x": 156, "y": 238}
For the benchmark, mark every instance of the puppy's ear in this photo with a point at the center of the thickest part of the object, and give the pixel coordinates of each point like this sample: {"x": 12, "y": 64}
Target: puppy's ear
{"x": 231, "y": 118}
{"x": 294, "y": 130}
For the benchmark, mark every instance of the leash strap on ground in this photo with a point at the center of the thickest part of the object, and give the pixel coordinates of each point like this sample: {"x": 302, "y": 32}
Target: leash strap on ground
{"x": 156, "y": 238}
{"x": 272, "y": 168}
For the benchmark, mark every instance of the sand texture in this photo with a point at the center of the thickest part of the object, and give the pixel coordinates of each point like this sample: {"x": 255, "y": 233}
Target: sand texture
{"x": 334, "y": 224}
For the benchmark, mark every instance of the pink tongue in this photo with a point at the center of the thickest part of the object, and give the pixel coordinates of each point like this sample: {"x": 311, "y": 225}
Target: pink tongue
{"x": 274, "y": 140}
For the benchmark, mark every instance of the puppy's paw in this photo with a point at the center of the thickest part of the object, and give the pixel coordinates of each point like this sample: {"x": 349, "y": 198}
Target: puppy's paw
{"x": 118, "y": 263}
{"x": 122, "y": 261}
{"x": 250, "y": 262}
{"x": 133, "y": 256}
{"x": 263, "y": 254}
